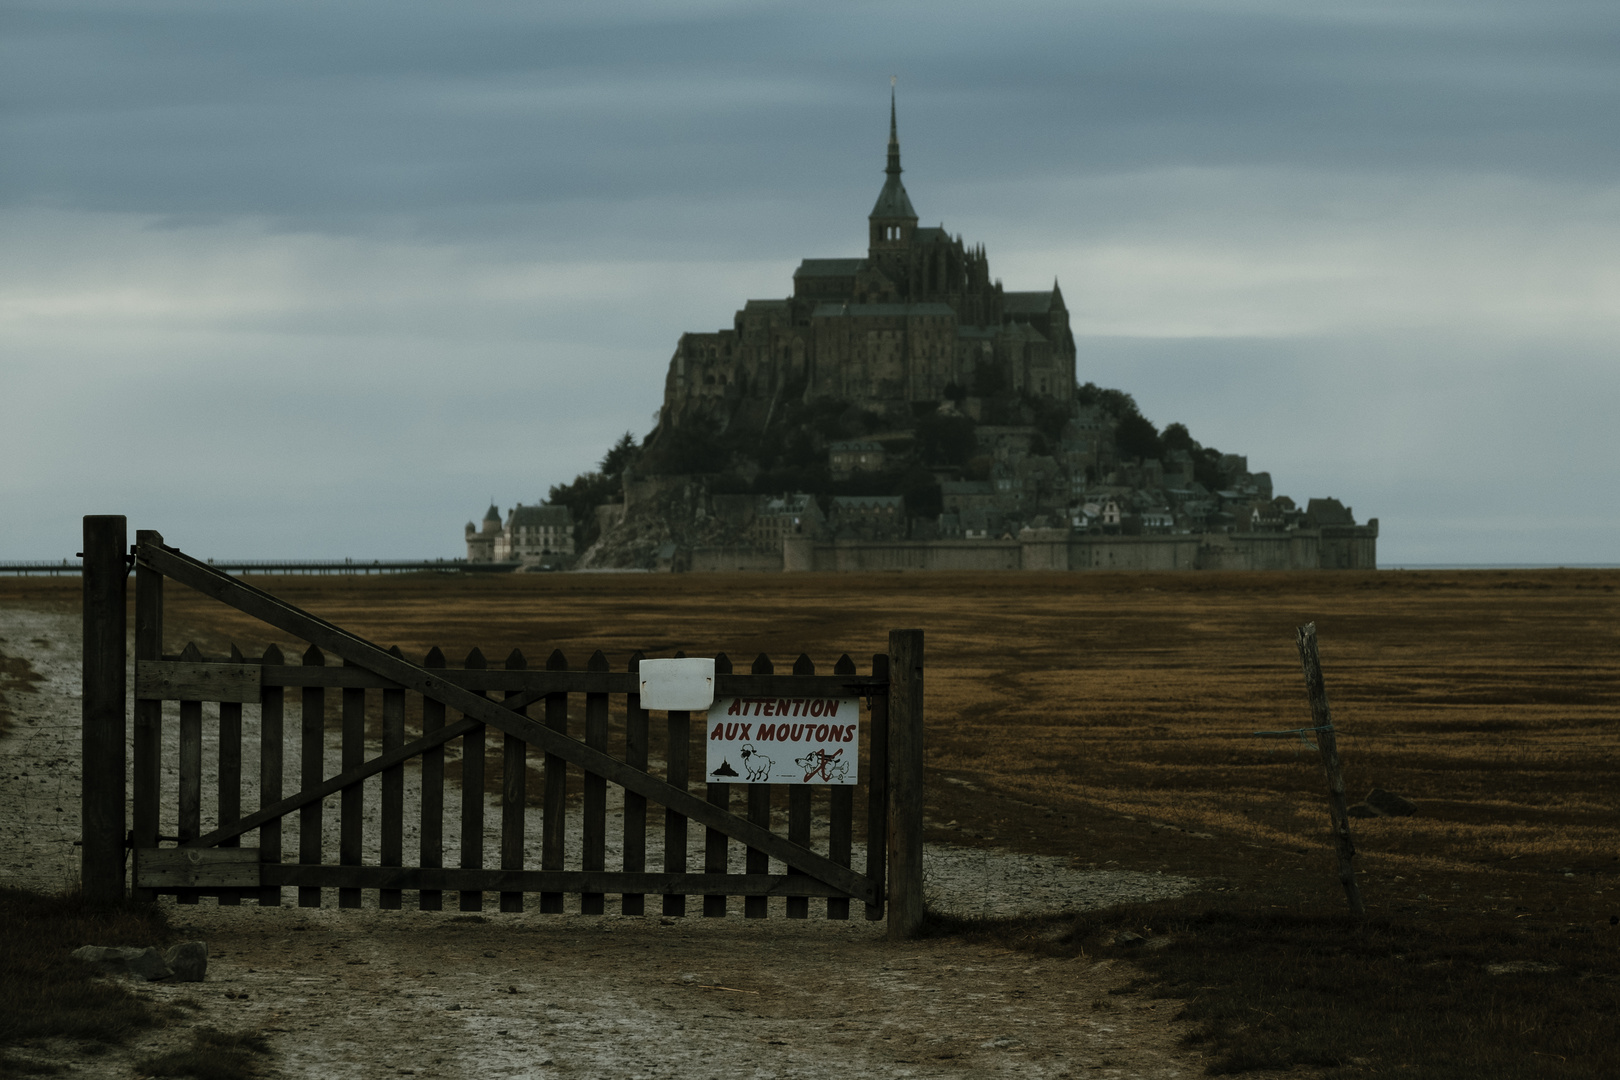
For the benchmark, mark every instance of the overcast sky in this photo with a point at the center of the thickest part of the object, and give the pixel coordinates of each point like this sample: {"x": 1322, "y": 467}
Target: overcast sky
{"x": 299, "y": 279}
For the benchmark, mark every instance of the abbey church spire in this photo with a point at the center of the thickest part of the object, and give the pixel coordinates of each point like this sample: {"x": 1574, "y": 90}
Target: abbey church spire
{"x": 892, "y": 220}
{"x": 894, "y": 140}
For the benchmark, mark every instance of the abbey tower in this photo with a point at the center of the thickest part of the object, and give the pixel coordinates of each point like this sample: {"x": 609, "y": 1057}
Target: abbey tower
{"x": 916, "y": 321}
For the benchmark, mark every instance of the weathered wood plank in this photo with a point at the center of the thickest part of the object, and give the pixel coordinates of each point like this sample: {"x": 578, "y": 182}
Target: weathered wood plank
{"x": 841, "y": 817}
{"x": 261, "y": 605}
{"x": 906, "y": 784}
{"x": 189, "y": 803}
{"x": 541, "y": 881}
{"x": 554, "y": 820}
{"x": 798, "y": 907}
{"x": 677, "y": 755}
{"x": 104, "y": 727}
{"x": 877, "y": 794}
{"x": 715, "y": 847}
{"x": 351, "y": 806}
{"x": 593, "y": 856}
{"x": 433, "y": 727}
{"x": 391, "y": 850}
{"x": 312, "y": 766}
{"x": 188, "y": 680}
{"x": 1327, "y": 743}
{"x": 229, "y": 796}
{"x": 758, "y": 860}
{"x": 146, "y": 748}
{"x": 759, "y": 813}
{"x": 474, "y": 747}
{"x": 635, "y": 806}
{"x": 197, "y": 868}
{"x": 514, "y": 795}
{"x": 271, "y": 765}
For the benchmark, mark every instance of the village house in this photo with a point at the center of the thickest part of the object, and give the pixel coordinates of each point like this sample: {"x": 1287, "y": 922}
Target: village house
{"x": 791, "y": 515}
{"x": 531, "y": 534}
{"x": 848, "y": 457}
{"x": 869, "y": 517}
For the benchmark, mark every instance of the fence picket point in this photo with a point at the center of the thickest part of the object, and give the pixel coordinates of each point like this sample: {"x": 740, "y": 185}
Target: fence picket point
{"x": 189, "y": 820}
{"x": 798, "y": 907}
{"x": 593, "y": 856}
{"x": 635, "y": 804}
{"x": 312, "y": 759}
{"x": 677, "y": 754}
{"x": 841, "y": 815}
{"x": 391, "y": 850}
{"x": 514, "y": 794}
{"x": 554, "y": 819}
{"x": 433, "y": 724}
{"x": 271, "y": 767}
{"x": 474, "y": 748}
{"x": 228, "y": 800}
{"x": 716, "y": 850}
{"x": 351, "y": 819}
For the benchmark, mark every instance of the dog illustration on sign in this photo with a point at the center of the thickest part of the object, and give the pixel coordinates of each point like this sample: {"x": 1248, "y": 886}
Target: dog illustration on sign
{"x": 756, "y": 764}
{"x": 820, "y": 763}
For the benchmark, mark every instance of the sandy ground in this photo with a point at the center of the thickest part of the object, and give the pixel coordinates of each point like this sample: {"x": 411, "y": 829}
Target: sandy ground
{"x": 372, "y": 993}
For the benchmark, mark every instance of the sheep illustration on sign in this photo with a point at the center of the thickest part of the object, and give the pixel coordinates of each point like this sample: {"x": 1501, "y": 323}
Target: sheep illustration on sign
{"x": 784, "y": 740}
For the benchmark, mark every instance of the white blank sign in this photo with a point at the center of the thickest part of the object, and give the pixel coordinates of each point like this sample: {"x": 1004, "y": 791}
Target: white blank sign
{"x": 678, "y": 684}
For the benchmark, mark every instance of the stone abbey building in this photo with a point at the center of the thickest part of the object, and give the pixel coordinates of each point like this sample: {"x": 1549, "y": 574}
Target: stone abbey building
{"x": 919, "y": 319}
{"x": 903, "y": 411}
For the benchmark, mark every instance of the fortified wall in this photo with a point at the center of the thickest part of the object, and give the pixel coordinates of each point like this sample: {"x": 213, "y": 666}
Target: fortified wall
{"x": 1341, "y": 547}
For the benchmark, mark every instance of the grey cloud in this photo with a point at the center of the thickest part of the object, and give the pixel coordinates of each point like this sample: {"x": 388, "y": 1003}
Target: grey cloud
{"x": 363, "y": 266}
{"x": 343, "y": 113}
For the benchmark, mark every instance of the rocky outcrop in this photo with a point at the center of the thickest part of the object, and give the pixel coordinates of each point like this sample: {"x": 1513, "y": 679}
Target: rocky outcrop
{"x": 185, "y": 962}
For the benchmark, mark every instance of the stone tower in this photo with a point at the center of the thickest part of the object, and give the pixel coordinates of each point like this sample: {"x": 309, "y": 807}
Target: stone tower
{"x": 892, "y": 220}
{"x": 919, "y": 319}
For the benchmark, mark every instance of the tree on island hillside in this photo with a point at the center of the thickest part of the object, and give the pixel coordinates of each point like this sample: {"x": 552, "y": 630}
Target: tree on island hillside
{"x": 592, "y": 489}
{"x": 1136, "y": 437}
{"x": 790, "y": 452}
{"x": 1177, "y": 437}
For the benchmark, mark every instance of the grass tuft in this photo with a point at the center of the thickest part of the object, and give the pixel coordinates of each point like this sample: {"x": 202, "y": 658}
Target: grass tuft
{"x": 1271, "y": 988}
{"x": 212, "y": 1055}
{"x": 44, "y": 992}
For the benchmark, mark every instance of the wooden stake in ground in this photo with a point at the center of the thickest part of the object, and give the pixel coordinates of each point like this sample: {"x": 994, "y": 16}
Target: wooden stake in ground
{"x": 1322, "y": 721}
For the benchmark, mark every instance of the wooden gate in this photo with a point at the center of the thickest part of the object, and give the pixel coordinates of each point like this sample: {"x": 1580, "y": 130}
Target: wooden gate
{"x": 457, "y": 704}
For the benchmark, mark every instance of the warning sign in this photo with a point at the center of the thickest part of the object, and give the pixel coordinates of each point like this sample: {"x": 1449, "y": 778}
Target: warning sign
{"x": 783, "y": 740}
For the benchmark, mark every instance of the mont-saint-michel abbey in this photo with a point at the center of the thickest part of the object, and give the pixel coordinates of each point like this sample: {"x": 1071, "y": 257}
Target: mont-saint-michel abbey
{"x": 904, "y": 410}
{"x": 914, "y": 319}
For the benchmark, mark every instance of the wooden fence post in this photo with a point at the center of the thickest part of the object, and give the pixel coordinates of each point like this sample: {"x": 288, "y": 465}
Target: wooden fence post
{"x": 905, "y": 783}
{"x": 147, "y": 742}
{"x": 1322, "y": 721}
{"x": 101, "y": 799}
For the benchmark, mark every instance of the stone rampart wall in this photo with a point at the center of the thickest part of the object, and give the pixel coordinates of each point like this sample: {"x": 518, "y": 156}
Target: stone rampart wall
{"x": 1345, "y": 547}
{"x": 731, "y": 559}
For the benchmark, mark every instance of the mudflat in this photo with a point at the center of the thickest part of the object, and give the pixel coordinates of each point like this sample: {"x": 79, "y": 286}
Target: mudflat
{"x": 1107, "y": 721}
{"x": 1060, "y": 701}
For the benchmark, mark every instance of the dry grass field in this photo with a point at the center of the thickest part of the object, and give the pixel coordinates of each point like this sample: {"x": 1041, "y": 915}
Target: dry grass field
{"x": 1109, "y": 718}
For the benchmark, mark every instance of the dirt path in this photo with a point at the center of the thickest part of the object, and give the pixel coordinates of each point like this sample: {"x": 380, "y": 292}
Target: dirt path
{"x": 381, "y": 994}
